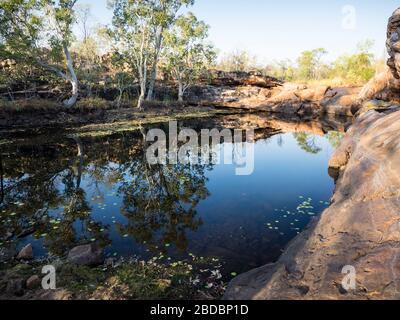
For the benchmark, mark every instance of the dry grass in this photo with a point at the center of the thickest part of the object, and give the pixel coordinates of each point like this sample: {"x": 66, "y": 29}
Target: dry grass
{"x": 158, "y": 104}
{"x": 93, "y": 103}
{"x": 46, "y": 105}
{"x": 28, "y": 105}
{"x": 334, "y": 83}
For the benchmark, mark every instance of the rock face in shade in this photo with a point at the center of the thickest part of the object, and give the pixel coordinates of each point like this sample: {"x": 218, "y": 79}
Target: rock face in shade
{"x": 252, "y": 78}
{"x": 393, "y": 43}
{"x": 360, "y": 229}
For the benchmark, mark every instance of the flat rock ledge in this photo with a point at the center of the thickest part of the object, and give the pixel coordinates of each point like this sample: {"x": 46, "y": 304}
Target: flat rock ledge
{"x": 361, "y": 228}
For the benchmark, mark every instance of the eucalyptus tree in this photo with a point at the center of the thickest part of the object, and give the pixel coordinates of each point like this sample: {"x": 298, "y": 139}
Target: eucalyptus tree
{"x": 133, "y": 34}
{"x": 165, "y": 14}
{"x": 187, "y": 53}
{"x": 31, "y": 28}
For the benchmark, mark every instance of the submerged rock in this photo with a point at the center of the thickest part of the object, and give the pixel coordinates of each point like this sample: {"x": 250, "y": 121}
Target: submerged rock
{"x": 86, "y": 255}
{"x": 26, "y": 253}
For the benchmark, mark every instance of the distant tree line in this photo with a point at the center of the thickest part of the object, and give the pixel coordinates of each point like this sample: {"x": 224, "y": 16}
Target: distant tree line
{"x": 355, "y": 68}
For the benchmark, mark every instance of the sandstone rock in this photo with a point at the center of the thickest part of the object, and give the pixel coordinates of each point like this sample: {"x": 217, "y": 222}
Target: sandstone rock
{"x": 253, "y": 78}
{"x": 359, "y": 229}
{"x": 86, "y": 255}
{"x": 33, "y": 283}
{"x": 393, "y": 43}
{"x": 26, "y": 253}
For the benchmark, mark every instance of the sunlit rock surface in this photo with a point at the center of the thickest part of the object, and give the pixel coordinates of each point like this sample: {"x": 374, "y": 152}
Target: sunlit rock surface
{"x": 289, "y": 98}
{"x": 361, "y": 228}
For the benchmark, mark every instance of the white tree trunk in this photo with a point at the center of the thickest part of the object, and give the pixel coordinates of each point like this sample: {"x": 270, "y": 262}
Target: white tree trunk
{"x": 143, "y": 80}
{"x": 73, "y": 79}
{"x": 153, "y": 76}
{"x": 141, "y": 99}
{"x": 180, "y": 91}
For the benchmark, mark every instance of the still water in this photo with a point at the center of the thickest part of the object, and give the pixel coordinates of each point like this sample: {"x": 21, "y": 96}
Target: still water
{"x": 56, "y": 197}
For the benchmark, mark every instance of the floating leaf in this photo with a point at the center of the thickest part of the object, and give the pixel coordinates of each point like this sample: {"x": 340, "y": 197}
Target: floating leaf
{"x": 234, "y": 274}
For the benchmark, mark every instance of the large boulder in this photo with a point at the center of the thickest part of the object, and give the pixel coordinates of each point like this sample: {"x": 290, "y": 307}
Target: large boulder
{"x": 86, "y": 255}
{"x": 238, "y": 78}
{"x": 26, "y": 253}
{"x": 393, "y": 43}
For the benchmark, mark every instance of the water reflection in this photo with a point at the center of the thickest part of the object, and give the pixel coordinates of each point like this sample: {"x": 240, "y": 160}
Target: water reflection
{"x": 64, "y": 191}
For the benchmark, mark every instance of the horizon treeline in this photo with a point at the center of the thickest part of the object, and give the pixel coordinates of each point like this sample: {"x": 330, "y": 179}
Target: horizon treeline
{"x": 354, "y": 68}
{"x": 56, "y": 47}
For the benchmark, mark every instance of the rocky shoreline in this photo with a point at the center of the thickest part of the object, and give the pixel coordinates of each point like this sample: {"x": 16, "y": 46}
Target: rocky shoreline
{"x": 87, "y": 274}
{"x": 361, "y": 228}
{"x": 360, "y": 231}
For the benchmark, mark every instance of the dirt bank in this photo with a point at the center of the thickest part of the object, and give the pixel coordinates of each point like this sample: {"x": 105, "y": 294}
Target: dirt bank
{"x": 360, "y": 229}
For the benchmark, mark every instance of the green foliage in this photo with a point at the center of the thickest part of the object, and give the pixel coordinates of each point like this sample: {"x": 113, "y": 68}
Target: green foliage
{"x": 187, "y": 55}
{"x": 335, "y": 138}
{"x": 310, "y": 65}
{"x": 19, "y": 28}
{"x": 238, "y": 60}
{"x": 39, "y": 32}
{"x": 282, "y": 69}
{"x": 358, "y": 67}
{"x": 307, "y": 143}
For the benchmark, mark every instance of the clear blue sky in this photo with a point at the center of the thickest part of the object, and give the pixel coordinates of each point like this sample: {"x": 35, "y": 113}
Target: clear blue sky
{"x": 277, "y": 29}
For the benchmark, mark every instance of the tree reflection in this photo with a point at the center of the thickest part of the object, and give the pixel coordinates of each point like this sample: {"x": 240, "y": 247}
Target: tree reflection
{"x": 307, "y": 142}
{"x": 160, "y": 203}
{"x": 335, "y": 138}
{"x": 46, "y": 193}
{"x": 43, "y": 197}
